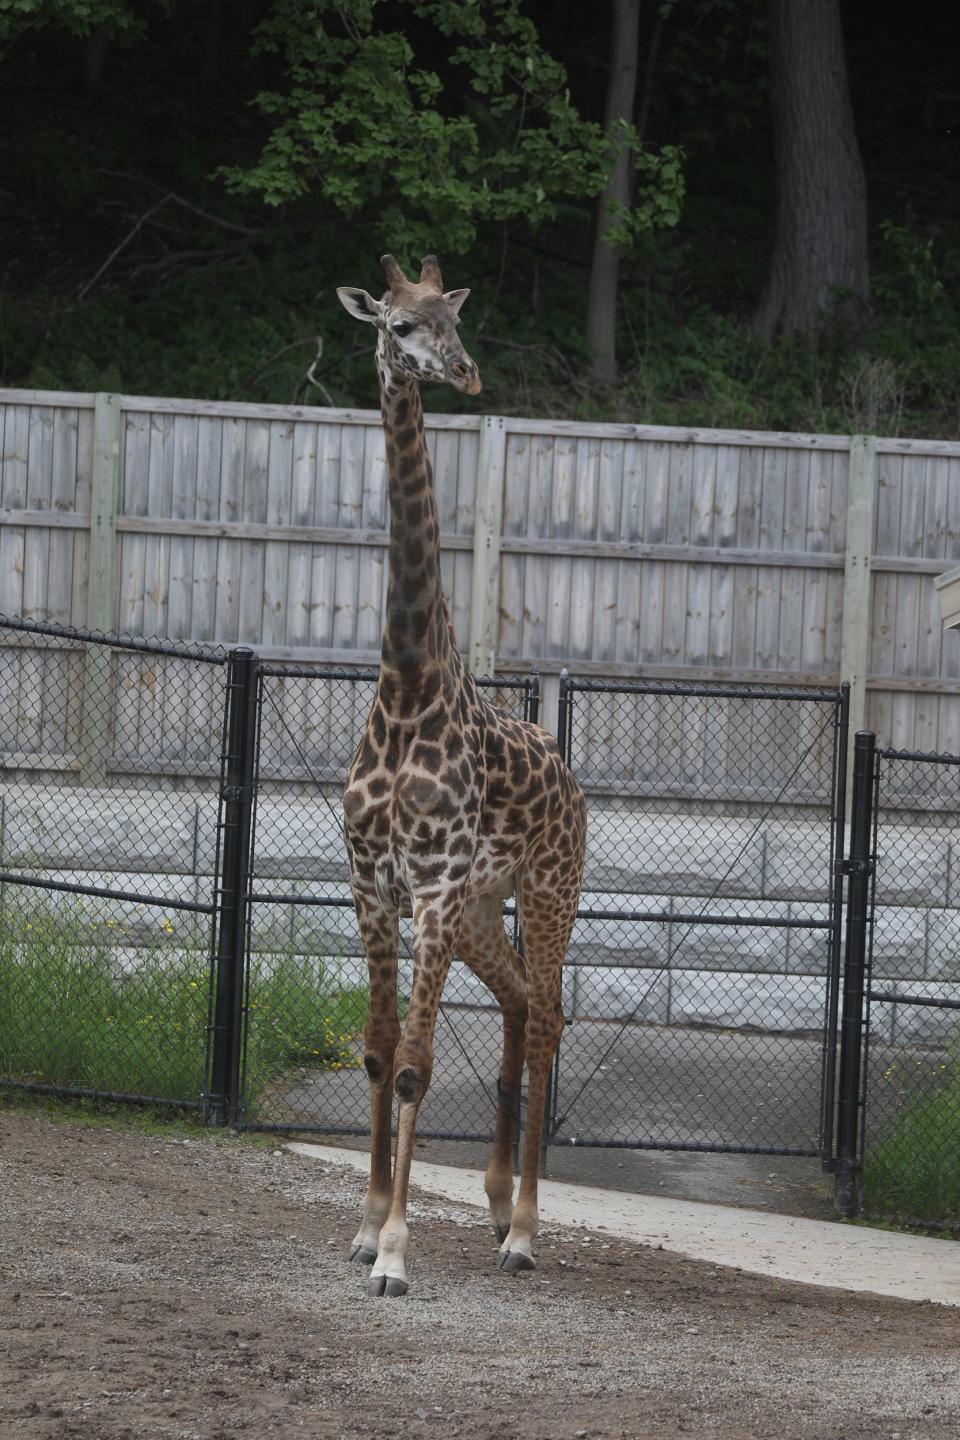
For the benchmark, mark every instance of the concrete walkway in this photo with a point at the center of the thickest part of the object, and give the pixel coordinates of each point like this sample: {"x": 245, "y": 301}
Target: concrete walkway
{"x": 814, "y": 1252}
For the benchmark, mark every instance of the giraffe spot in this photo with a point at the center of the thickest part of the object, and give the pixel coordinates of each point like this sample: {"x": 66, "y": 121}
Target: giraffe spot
{"x": 453, "y": 780}
{"x": 418, "y": 794}
{"x": 429, "y": 756}
{"x": 434, "y": 725}
{"x": 423, "y": 873}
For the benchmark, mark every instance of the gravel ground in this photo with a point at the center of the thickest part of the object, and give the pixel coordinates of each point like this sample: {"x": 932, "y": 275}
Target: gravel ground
{"x": 160, "y": 1287}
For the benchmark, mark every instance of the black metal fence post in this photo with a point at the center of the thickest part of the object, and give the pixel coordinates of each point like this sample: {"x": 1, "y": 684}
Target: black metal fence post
{"x": 533, "y": 699}
{"x": 828, "y": 1086}
{"x": 859, "y": 868}
{"x": 236, "y": 794}
{"x": 553, "y": 1079}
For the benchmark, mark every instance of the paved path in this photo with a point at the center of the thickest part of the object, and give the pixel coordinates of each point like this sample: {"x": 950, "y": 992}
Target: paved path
{"x": 816, "y": 1252}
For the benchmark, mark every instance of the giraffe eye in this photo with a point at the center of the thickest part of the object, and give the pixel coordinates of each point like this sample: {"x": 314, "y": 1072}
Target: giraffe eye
{"x": 402, "y": 327}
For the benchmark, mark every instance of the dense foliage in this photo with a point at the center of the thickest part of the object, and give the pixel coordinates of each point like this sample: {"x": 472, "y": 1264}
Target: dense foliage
{"x": 183, "y": 186}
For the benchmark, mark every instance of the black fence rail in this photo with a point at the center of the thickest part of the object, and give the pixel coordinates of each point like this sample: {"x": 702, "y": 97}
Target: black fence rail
{"x": 911, "y": 1062}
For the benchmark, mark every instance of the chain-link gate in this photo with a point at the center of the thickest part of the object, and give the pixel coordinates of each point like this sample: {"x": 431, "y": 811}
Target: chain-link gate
{"x": 910, "y": 1078}
{"x": 702, "y": 983}
{"x": 111, "y": 760}
{"x": 306, "y": 982}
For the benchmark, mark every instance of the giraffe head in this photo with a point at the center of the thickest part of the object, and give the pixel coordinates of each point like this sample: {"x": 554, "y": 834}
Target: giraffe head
{"x": 417, "y": 326}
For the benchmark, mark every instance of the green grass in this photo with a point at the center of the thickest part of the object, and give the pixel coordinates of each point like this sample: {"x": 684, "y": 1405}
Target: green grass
{"x": 72, "y": 1015}
{"x": 298, "y": 1015}
{"x": 912, "y": 1174}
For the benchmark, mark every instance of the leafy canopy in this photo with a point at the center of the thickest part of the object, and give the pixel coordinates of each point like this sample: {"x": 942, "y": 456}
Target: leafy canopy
{"x": 434, "y": 116}
{"x": 77, "y": 17}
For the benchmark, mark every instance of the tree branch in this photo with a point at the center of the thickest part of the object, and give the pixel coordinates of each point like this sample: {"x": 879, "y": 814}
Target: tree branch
{"x": 187, "y": 204}
{"x": 122, "y": 246}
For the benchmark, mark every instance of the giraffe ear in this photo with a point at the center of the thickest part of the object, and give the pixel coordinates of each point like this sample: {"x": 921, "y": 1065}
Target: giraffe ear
{"x": 358, "y": 304}
{"x": 455, "y": 299}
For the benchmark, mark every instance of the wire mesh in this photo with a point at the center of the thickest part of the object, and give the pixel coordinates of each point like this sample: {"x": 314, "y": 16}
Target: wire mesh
{"x": 109, "y": 778}
{"x": 307, "y": 994}
{"x": 911, "y": 1138}
{"x": 698, "y": 976}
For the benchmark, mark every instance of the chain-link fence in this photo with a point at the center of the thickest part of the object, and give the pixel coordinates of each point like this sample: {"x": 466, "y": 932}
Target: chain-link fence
{"x": 307, "y": 972}
{"x": 701, "y": 987}
{"x": 176, "y": 918}
{"x": 110, "y": 757}
{"x": 911, "y": 1136}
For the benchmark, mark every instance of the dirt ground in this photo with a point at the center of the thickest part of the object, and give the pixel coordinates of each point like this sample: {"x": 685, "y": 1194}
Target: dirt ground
{"x": 160, "y": 1287}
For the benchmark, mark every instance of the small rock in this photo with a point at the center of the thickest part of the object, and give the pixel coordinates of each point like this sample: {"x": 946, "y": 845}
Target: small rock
{"x": 420, "y": 1413}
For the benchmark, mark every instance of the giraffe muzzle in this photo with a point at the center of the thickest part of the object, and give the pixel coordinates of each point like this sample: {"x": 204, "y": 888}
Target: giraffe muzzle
{"x": 463, "y": 375}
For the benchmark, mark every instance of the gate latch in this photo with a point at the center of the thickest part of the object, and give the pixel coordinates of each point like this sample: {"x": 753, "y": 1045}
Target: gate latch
{"x": 236, "y": 794}
{"x": 858, "y": 867}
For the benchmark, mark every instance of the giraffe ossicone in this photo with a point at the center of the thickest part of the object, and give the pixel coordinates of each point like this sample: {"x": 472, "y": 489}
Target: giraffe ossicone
{"x": 451, "y": 806}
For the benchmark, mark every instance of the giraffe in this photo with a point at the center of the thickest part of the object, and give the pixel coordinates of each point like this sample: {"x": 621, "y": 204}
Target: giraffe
{"x": 450, "y": 807}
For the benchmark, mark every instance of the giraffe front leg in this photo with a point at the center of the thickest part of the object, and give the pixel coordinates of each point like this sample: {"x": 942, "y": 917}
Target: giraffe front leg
{"x": 389, "y": 1274}
{"x": 435, "y": 931}
{"x": 381, "y": 1035}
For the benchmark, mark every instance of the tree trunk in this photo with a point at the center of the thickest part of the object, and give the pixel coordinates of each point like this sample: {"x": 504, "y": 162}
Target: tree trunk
{"x": 605, "y": 265}
{"x": 211, "y": 70}
{"x": 818, "y": 263}
{"x": 95, "y": 48}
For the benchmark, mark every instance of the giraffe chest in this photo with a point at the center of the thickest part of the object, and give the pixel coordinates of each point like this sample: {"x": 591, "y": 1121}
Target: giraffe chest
{"x": 421, "y": 835}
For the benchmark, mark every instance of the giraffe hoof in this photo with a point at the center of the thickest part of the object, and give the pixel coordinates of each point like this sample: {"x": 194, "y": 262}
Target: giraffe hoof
{"x": 386, "y": 1285}
{"x": 361, "y": 1255}
{"x": 512, "y": 1261}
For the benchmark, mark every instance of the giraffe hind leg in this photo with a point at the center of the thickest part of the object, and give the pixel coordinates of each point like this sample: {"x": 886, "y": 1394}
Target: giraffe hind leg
{"x": 484, "y": 947}
{"x": 547, "y": 912}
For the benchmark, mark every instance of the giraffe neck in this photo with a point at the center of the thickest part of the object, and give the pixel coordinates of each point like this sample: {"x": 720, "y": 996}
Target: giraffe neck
{"x": 418, "y": 658}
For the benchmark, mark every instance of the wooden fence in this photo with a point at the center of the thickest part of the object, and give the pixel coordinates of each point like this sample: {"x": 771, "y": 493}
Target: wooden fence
{"x": 614, "y": 550}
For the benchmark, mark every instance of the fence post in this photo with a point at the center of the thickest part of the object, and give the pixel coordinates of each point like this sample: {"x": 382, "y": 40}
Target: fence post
{"x": 101, "y": 588}
{"x": 855, "y": 624}
{"x": 553, "y": 1079}
{"x": 238, "y": 777}
{"x": 859, "y": 868}
{"x": 828, "y": 1087}
{"x": 487, "y": 527}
